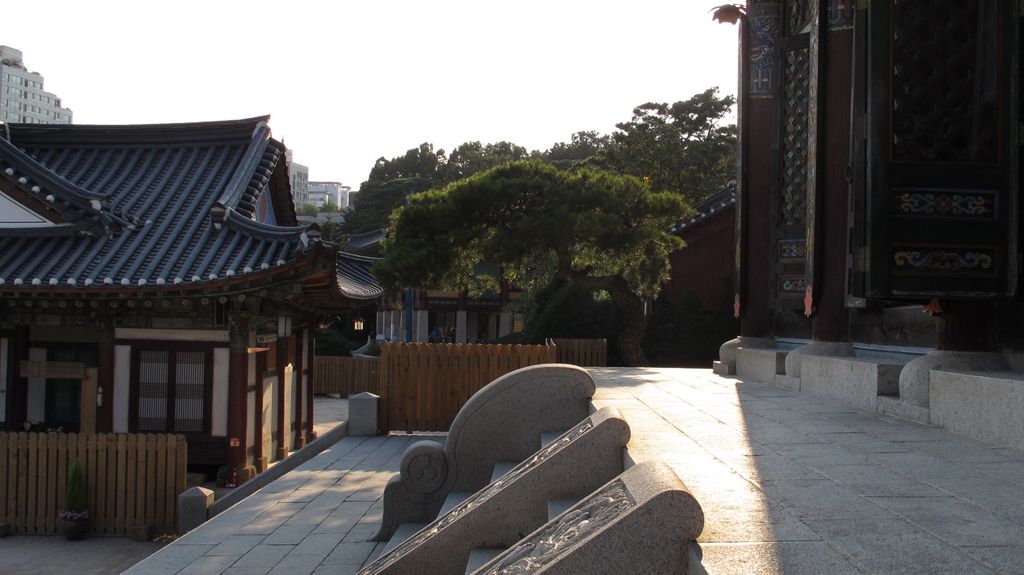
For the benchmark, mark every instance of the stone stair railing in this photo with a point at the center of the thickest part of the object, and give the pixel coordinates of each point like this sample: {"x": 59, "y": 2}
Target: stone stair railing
{"x": 643, "y": 521}
{"x": 503, "y": 422}
{"x": 478, "y": 526}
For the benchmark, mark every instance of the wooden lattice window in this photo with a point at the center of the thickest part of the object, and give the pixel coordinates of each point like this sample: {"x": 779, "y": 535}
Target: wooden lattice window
{"x": 171, "y": 390}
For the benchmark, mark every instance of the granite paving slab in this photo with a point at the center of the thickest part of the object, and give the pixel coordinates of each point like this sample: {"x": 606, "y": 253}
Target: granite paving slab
{"x": 789, "y": 483}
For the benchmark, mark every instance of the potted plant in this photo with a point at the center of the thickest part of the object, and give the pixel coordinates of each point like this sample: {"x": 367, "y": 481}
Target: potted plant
{"x": 75, "y": 517}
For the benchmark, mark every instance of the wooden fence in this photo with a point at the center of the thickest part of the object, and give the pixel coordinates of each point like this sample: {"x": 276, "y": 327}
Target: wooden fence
{"x": 424, "y": 385}
{"x": 346, "y": 375}
{"x": 131, "y": 479}
{"x": 582, "y": 352}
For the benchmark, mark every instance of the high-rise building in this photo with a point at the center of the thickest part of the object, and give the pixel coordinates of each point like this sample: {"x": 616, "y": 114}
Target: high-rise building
{"x": 22, "y": 98}
{"x": 299, "y": 176}
{"x": 334, "y": 193}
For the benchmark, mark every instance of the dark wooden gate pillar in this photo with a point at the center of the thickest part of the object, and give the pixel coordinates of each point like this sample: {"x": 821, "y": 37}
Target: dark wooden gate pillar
{"x": 238, "y": 395}
{"x": 17, "y": 392}
{"x": 105, "y": 349}
{"x": 283, "y": 343}
{"x": 831, "y": 203}
{"x": 310, "y": 368}
{"x": 758, "y": 147}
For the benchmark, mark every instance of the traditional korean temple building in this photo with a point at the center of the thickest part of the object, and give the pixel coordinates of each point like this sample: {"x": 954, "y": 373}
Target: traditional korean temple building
{"x": 705, "y": 266}
{"x": 153, "y": 278}
{"x": 878, "y": 245}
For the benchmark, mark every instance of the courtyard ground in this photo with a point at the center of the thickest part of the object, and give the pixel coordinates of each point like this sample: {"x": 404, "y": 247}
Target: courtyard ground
{"x": 789, "y": 483}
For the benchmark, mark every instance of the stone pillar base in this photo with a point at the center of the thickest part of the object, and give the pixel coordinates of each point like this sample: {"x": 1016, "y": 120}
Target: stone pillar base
{"x": 260, "y": 463}
{"x": 723, "y": 368}
{"x": 915, "y": 379}
{"x": 282, "y": 452}
{"x": 835, "y": 348}
{"x": 726, "y": 364}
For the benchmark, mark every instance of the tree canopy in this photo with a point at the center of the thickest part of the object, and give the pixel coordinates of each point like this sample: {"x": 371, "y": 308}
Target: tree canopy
{"x": 595, "y": 230}
{"x": 681, "y": 147}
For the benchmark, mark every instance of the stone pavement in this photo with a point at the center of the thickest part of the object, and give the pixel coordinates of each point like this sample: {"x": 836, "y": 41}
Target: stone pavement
{"x": 792, "y": 483}
{"x": 52, "y": 554}
{"x": 317, "y": 518}
{"x": 789, "y": 483}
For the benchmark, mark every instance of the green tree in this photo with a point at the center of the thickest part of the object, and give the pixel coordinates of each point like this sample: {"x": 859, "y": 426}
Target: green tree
{"x": 377, "y": 199}
{"x": 682, "y": 147}
{"x": 595, "y": 230}
{"x": 308, "y": 210}
{"x": 392, "y": 181}
{"x": 473, "y": 157}
{"x": 582, "y": 146}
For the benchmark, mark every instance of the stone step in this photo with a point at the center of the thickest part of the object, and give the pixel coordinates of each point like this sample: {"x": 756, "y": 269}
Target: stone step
{"x": 640, "y": 522}
{"x": 548, "y": 437}
{"x": 404, "y": 531}
{"x": 481, "y": 556}
{"x": 558, "y": 506}
{"x": 453, "y": 500}
{"x": 500, "y": 468}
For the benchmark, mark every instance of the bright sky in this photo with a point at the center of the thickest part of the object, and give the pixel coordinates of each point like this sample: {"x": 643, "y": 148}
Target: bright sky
{"x": 346, "y": 82}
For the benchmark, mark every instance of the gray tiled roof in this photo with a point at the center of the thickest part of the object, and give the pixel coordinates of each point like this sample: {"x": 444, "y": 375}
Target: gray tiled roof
{"x": 355, "y": 277}
{"x": 706, "y": 209}
{"x": 145, "y": 206}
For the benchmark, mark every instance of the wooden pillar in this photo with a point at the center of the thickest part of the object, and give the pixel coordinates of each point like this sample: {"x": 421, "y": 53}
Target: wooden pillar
{"x": 310, "y": 369}
{"x": 238, "y": 383}
{"x": 831, "y": 318}
{"x": 105, "y": 377}
{"x": 18, "y": 388}
{"x": 282, "y": 361}
{"x": 759, "y": 139}
{"x": 300, "y": 390}
{"x": 259, "y": 458}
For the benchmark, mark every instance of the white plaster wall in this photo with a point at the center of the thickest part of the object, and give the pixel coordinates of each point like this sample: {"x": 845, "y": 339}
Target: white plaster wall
{"x": 37, "y": 388}
{"x": 122, "y": 379}
{"x": 3, "y": 379}
{"x": 422, "y": 323}
{"x": 250, "y": 424}
{"x": 289, "y": 399}
{"x": 306, "y": 382}
{"x": 460, "y": 326}
{"x": 270, "y": 392}
{"x": 267, "y": 411}
{"x": 505, "y": 324}
{"x": 219, "y": 407}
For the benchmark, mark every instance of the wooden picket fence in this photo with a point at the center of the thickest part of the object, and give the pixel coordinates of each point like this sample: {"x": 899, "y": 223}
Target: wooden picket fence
{"x": 131, "y": 479}
{"x": 423, "y": 385}
{"x": 582, "y": 352}
{"x": 346, "y": 375}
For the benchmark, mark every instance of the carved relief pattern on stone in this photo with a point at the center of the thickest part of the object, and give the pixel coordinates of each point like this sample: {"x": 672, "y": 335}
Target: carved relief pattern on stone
{"x": 945, "y": 81}
{"x": 573, "y": 526}
{"x": 794, "y": 153}
{"x": 479, "y": 497}
{"x": 960, "y": 204}
{"x": 952, "y": 260}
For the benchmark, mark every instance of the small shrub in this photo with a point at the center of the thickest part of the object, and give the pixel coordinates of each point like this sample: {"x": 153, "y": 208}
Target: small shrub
{"x": 74, "y": 494}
